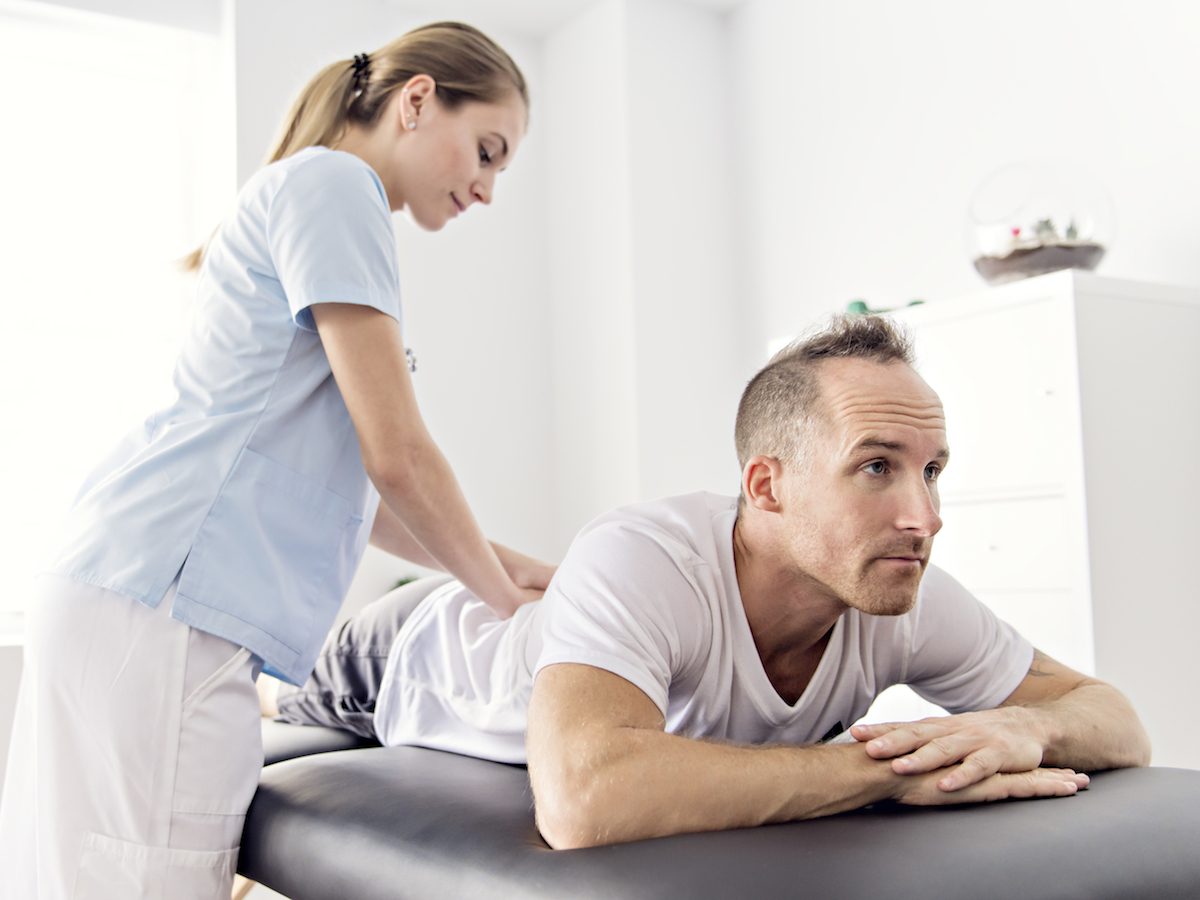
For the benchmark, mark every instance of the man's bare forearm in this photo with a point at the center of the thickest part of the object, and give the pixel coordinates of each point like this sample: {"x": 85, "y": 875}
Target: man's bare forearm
{"x": 1092, "y": 727}
{"x": 647, "y": 783}
{"x": 604, "y": 771}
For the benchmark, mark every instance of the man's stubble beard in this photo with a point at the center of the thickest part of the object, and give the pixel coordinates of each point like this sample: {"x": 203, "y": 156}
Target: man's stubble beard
{"x": 887, "y": 599}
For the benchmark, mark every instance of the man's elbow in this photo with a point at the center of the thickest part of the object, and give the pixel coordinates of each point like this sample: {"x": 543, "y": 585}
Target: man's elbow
{"x": 571, "y": 817}
{"x": 1136, "y": 751}
{"x": 1141, "y": 750}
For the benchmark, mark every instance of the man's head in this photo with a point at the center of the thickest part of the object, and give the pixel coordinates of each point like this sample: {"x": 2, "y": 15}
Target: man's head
{"x": 841, "y": 443}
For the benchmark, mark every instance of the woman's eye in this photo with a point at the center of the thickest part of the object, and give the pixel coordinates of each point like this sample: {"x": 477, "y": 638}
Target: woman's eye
{"x": 875, "y": 468}
{"x": 484, "y": 156}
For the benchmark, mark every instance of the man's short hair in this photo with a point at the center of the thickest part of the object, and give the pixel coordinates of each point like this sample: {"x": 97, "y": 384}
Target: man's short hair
{"x": 781, "y": 401}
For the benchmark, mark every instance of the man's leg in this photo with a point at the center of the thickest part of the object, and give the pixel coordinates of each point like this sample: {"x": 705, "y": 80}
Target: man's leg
{"x": 344, "y": 685}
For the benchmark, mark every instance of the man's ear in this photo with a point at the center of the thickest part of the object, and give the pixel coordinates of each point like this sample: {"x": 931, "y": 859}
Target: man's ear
{"x": 762, "y": 480}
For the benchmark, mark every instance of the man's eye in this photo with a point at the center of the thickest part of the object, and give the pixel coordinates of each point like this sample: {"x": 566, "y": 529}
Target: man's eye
{"x": 875, "y": 468}
{"x": 932, "y": 472}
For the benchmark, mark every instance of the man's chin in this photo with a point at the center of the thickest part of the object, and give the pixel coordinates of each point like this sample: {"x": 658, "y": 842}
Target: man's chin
{"x": 894, "y": 599}
{"x": 888, "y": 606}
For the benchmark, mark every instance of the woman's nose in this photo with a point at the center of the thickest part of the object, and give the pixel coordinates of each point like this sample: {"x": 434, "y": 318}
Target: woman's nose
{"x": 482, "y": 190}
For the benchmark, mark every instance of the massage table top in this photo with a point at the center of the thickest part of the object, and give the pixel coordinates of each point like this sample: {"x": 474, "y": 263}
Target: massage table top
{"x": 406, "y": 822}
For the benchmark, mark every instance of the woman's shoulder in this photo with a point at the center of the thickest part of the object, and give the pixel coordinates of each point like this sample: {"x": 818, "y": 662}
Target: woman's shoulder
{"x": 322, "y": 159}
{"x": 317, "y": 170}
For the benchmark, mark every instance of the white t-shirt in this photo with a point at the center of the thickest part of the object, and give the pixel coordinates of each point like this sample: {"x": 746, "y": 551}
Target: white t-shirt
{"x": 649, "y": 593}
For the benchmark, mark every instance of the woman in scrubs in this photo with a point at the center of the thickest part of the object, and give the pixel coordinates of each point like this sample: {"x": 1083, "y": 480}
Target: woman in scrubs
{"x": 218, "y": 540}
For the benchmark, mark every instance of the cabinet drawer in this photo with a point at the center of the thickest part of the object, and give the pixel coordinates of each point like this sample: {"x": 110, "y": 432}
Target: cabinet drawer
{"x": 1005, "y": 379}
{"x": 1007, "y": 545}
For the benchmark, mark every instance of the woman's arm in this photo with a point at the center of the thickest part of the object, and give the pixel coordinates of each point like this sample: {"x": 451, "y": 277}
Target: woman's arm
{"x": 414, "y": 479}
{"x": 390, "y": 535}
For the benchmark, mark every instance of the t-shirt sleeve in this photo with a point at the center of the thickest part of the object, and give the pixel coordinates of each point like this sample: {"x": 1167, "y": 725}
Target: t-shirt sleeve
{"x": 630, "y": 603}
{"x": 963, "y": 657}
{"x": 329, "y": 231}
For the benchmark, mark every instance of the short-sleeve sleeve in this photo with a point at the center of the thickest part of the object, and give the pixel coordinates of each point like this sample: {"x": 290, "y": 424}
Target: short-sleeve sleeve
{"x": 964, "y": 658}
{"x": 329, "y": 232}
{"x": 630, "y": 603}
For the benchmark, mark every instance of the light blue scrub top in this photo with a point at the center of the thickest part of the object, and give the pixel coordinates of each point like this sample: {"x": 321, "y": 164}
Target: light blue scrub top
{"x": 250, "y": 486}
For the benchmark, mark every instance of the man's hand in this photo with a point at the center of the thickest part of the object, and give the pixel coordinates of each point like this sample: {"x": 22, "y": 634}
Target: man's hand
{"x": 982, "y": 744}
{"x": 1056, "y": 716}
{"x": 927, "y": 790}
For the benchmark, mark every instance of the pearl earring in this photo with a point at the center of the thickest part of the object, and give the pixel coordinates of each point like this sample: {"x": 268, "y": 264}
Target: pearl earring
{"x": 404, "y": 96}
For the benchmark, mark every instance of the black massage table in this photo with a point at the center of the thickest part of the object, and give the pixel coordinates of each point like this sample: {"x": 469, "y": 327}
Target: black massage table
{"x": 365, "y": 822}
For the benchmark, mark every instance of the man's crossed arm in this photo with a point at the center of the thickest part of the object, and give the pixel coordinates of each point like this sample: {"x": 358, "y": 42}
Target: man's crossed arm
{"x": 1055, "y": 717}
{"x": 604, "y": 771}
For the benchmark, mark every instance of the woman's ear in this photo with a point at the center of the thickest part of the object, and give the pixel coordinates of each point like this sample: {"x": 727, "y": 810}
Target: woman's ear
{"x": 418, "y": 98}
{"x": 761, "y": 483}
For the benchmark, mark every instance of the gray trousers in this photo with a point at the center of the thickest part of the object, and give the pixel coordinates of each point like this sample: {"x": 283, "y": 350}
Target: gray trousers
{"x": 344, "y": 685}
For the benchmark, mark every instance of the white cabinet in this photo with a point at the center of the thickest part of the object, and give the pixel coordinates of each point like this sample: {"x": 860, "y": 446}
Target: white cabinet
{"x": 1072, "y": 499}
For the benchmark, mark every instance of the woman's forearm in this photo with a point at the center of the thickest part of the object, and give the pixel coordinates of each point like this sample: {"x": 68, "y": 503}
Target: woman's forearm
{"x": 366, "y": 355}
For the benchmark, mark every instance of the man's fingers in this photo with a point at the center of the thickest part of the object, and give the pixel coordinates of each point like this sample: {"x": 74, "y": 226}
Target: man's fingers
{"x": 943, "y": 751}
{"x": 867, "y": 732}
{"x": 1034, "y": 783}
{"x": 974, "y": 769}
{"x": 900, "y": 739}
{"x": 1002, "y": 786}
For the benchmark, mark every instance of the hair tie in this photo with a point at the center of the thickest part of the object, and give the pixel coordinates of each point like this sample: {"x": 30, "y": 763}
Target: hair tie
{"x": 362, "y": 69}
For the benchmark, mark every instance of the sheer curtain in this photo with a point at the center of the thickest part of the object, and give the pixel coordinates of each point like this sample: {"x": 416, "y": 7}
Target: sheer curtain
{"x": 117, "y": 158}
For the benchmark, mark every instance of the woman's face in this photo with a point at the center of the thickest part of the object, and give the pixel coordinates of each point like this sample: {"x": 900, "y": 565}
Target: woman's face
{"x": 451, "y": 158}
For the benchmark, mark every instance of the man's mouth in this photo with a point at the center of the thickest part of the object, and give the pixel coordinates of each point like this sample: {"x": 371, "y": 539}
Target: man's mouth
{"x": 905, "y": 557}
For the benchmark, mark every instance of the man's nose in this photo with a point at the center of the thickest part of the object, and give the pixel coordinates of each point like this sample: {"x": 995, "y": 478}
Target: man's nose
{"x": 919, "y": 512}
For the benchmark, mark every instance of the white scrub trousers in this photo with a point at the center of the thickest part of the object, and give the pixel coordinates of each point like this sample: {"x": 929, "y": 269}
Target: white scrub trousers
{"x": 136, "y": 750}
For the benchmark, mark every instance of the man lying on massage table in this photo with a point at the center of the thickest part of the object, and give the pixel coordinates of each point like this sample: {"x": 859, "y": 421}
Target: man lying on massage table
{"x": 696, "y": 660}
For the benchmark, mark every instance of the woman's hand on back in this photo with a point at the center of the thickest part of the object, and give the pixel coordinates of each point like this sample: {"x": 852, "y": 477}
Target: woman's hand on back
{"x": 531, "y": 575}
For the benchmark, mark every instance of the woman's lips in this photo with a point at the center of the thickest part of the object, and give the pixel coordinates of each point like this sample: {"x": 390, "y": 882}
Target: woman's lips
{"x": 458, "y": 206}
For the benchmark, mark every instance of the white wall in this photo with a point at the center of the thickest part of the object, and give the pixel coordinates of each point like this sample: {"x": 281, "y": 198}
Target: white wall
{"x": 586, "y": 100}
{"x": 866, "y": 127}
{"x": 650, "y": 352}
{"x": 196, "y": 15}
{"x": 693, "y": 357}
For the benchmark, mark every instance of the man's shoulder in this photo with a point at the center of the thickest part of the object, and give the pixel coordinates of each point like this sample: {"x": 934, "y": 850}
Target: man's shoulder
{"x": 641, "y": 590}
{"x": 686, "y": 517}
